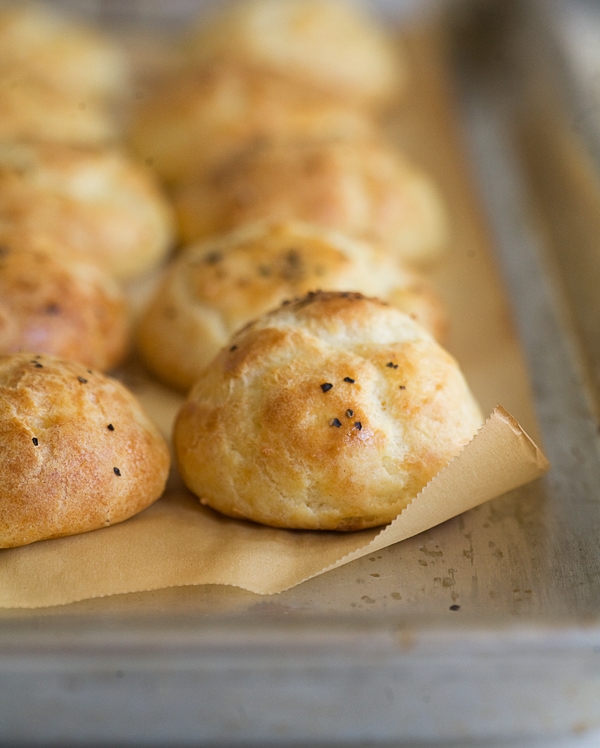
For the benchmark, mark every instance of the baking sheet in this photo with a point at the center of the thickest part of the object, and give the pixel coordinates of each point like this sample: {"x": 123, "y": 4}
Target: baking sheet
{"x": 524, "y": 570}
{"x": 177, "y": 542}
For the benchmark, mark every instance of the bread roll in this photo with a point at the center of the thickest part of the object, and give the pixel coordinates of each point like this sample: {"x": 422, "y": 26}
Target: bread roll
{"x": 330, "y": 413}
{"x": 193, "y": 120}
{"x": 59, "y": 51}
{"x": 216, "y": 287}
{"x": 330, "y": 44}
{"x": 33, "y": 110}
{"x": 96, "y": 201}
{"x": 366, "y": 189}
{"x": 59, "y": 302}
{"x": 78, "y": 453}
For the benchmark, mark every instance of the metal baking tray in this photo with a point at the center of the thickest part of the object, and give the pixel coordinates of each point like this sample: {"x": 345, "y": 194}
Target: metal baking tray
{"x": 492, "y": 634}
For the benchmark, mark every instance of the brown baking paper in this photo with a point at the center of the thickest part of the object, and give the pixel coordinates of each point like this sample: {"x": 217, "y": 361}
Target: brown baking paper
{"x": 178, "y": 542}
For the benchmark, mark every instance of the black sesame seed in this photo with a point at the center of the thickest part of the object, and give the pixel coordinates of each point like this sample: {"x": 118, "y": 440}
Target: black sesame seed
{"x": 326, "y": 386}
{"x": 292, "y": 267}
{"x": 37, "y": 364}
{"x": 335, "y": 422}
{"x": 455, "y": 607}
{"x": 116, "y": 471}
{"x": 35, "y": 441}
{"x": 233, "y": 348}
{"x": 392, "y": 365}
{"x": 110, "y": 427}
{"x": 349, "y": 380}
{"x": 358, "y": 425}
{"x": 83, "y": 380}
{"x": 349, "y": 413}
{"x": 293, "y": 256}
{"x": 213, "y": 257}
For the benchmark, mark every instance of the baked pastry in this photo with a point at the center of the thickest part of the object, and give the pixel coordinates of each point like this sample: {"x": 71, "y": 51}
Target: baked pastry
{"x": 33, "y": 110}
{"x": 213, "y": 288}
{"x": 330, "y": 413}
{"x": 365, "y": 189}
{"x": 96, "y": 201}
{"x": 334, "y": 45}
{"x": 56, "y": 301}
{"x": 59, "y": 51}
{"x": 193, "y": 120}
{"x": 78, "y": 452}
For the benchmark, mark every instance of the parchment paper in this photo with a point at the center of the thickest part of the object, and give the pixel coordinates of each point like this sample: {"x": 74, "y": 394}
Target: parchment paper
{"x": 178, "y": 542}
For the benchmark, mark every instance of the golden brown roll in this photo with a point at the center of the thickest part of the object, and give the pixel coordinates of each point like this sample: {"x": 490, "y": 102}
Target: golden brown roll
{"x": 78, "y": 452}
{"x": 96, "y": 201}
{"x": 330, "y": 413}
{"x": 59, "y": 302}
{"x": 366, "y": 189}
{"x": 330, "y": 44}
{"x": 214, "y": 288}
{"x": 59, "y": 51}
{"x": 193, "y": 120}
{"x": 33, "y": 110}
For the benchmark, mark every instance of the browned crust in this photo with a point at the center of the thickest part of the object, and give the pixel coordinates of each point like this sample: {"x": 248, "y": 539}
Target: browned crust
{"x": 264, "y": 436}
{"x": 58, "y": 302}
{"x": 195, "y": 119}
{"x": 365, "y": 189}
{"x": 331, "y": 45}
{"x": 78, "y": 453}
{"x": 94, "y": 200}
{"x": 216, "y": 287}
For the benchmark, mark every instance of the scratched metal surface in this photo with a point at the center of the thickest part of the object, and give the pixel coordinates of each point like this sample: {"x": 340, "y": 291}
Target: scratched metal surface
{"x": 492, "y": 634}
